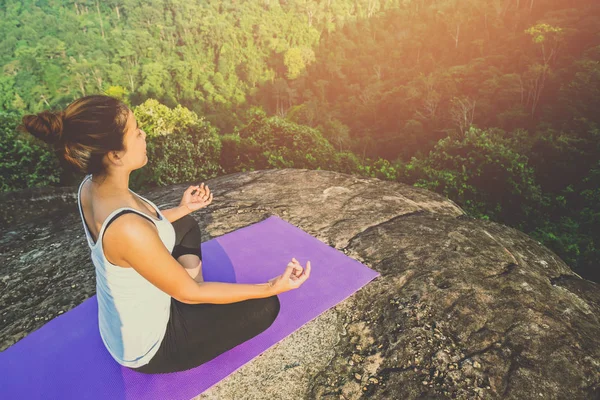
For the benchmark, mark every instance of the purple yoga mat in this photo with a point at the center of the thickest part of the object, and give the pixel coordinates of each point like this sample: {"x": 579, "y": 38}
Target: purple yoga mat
{"x": 66, "y": 358}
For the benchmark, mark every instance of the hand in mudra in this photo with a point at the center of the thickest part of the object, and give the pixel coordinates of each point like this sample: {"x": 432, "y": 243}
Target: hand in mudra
{"x": 292, "y": 278}
{"x": 196, "y": 197}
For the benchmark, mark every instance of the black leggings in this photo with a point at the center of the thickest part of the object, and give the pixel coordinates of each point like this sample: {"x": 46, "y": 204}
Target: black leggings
{"x": 197, "y": 333}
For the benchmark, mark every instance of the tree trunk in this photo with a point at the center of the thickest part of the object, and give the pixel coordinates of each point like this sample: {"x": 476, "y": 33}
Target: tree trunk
{"x": 131, "y": 83}
{"x": 522, "y": 88}
{"x": 100, "y": 18}
{"x": 457, "y": 33}
{"x": 82, "y": 87}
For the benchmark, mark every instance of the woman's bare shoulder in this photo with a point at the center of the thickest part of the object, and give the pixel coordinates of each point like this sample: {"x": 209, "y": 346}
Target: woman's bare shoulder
{"x": 118, "y": 236}
{"x": 97, "y": 209}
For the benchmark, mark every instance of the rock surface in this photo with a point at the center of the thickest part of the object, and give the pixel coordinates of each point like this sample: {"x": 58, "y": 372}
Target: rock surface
{"x": 463, "y": 308}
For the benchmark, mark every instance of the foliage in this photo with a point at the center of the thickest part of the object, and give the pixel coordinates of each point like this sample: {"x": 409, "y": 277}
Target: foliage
{"x": 25, "y": 161}
{"x": 515, "y": 86}
{"x": 278, "y": 143}
{"x": 483, "y": 173}
{"x": 181, "y": 147}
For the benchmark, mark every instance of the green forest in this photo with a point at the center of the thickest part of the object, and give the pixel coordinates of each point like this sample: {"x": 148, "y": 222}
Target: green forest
{"x": 492, "y": 103}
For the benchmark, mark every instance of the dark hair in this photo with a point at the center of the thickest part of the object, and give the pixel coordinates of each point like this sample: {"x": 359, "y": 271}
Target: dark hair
{"x": 82, "y": 133}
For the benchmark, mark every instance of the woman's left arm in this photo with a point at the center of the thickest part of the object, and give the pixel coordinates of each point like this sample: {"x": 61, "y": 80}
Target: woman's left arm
{"x": 173, "y": 214}
{"x": 201, "y": 198}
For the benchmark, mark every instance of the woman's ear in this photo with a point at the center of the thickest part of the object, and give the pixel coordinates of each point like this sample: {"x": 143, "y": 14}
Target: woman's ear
{"x": 114, "y": 157}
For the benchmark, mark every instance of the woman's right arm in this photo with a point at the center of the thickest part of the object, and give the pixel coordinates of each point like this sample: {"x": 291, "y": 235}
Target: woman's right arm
{"x": 136, "y": 241}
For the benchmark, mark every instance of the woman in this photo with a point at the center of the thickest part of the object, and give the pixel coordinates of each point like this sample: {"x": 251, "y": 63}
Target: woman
{"x": 155, "y": 312}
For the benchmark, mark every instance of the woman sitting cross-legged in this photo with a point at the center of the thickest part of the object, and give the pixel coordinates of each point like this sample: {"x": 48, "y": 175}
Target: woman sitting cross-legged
{"x": 155, "y": 312}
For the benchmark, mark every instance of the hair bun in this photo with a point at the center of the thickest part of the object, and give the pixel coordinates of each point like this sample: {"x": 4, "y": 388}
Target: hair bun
{"x": 46, "y": 125}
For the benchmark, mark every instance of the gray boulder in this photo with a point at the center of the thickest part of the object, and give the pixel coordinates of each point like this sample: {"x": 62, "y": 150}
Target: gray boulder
{"x": 463, "y": 309}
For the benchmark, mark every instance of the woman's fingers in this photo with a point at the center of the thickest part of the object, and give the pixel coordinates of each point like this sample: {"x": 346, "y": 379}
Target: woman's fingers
{"x": 296, "y": 274}
{"x": 204, "y": 189}
{"x": 300, "y": 267}
{"x": 206, "y": 194}
{"x": 300, "y": 280}
{"x": 202, "y": 193}
{"x": 200, "y": 189}
{"x": 190, "y": 190}
{"x": 297, "y": 263}
{"x": 307, "y": 270}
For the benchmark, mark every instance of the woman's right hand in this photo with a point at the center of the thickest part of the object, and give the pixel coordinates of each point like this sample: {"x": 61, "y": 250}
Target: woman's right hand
{"x": 292, "y": 278}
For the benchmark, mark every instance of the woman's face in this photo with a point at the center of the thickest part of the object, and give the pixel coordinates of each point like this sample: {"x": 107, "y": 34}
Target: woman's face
{"x": 135, "y": 144}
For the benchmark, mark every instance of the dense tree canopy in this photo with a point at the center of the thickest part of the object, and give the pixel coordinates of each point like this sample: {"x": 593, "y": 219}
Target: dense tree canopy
{"x": 491, "y": 102}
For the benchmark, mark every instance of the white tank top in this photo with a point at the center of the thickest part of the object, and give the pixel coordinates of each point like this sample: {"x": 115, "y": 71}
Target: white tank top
{"x": 132, "y": 312}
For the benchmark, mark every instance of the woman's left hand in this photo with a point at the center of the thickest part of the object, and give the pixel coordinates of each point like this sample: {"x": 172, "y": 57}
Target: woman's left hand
{"x": 202, "y": 198}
